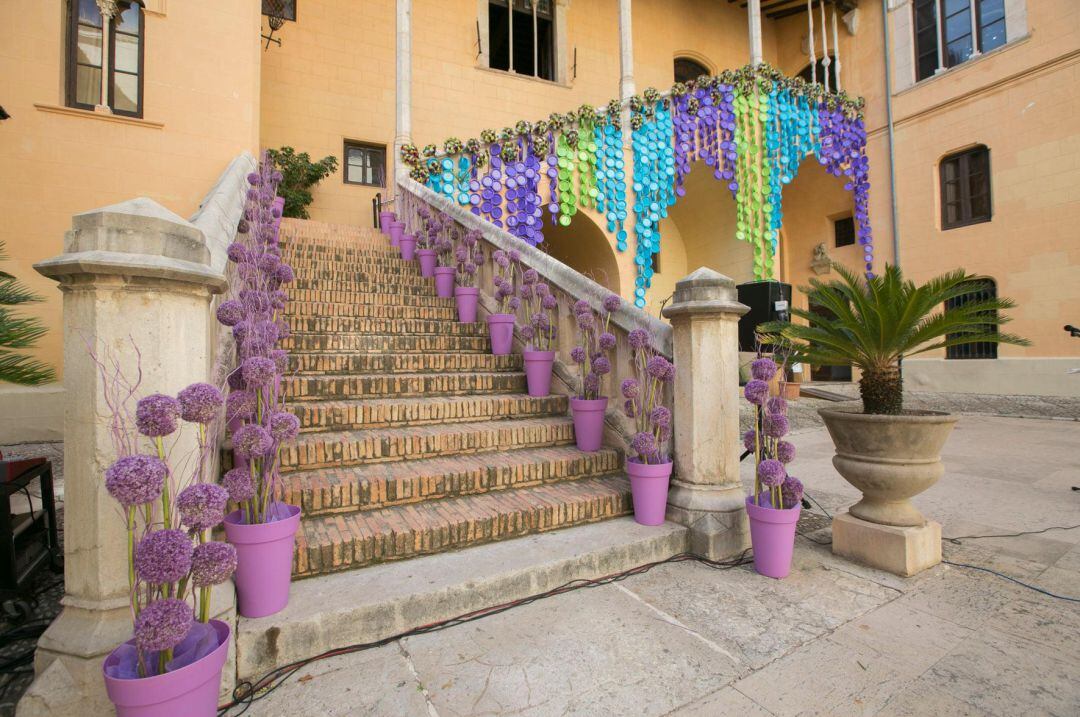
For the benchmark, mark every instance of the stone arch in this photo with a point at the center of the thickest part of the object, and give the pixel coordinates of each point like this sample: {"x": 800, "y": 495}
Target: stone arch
{"x": 687, "y": 63}
{"x": 584, "y": 247}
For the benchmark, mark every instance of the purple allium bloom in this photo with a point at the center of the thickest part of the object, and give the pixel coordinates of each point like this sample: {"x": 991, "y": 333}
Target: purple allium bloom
{"x": 278, "y": 299}
{"x": 776, "y": 425}
{"x": 240, "y": 485}
{"x": 284, "y": 274}
{"x": 607, "y": 341}
{"x": 592, "y": 383}
{"x": 630, "y": 408}
{"x": 791, "y": 492}
{"x": 212, "y": 563}
{"x": 269, "y": 263}
{"x": 513, "y": 303}
{"x": 661, "y": 416}
{"x": 585, "y": 321}
{"x": 525, "y": 291}
{"x": 631, "y": 388}
{"x": 280, "y": 357}
{"x": 528, "y": 333}
{"x": 500, "y": 258}
{"x": 258, "y": 370}
{"x": 541, "y": 321}
{"x": 644, "y": 443}
{"x": 202, "y": 505}
{"x": 785, "y": 452}
{"x": 230, "y": 313}
{"x": 612, "y": 303}
{"x": 749, "y": 440}
{"x": 163, "y": 556}
{"x": 657, "y": 367}
{"x": 199, "y": 402}
{"x": 771, "y": 472}
{"x": 529, "y": 276}
{"x": 515, "y": 255}
{"x": 601, "y": 365}
{"x": 283, "y": 329}
{"x": 777, "y": 405}
{"x": 542, "y": 290}
{"x": 243, "y": 227}
{"x": 582, "y": 307}
{"x": 547, "y": 301}
{"x": 136, "y": 480}
{"x": 578, "y": 354}
{"x": 252, "y": 441}
{"x": 156, "y": 414}
{"x": 237, "y": 252}
{"x": 756, "y": 391}
{"x": 469, "y": 268}
{"x": 284, "y": 426}
{"x": 763, "y": 369}
{"x": 236, "y": 381}
{"x": 163, "y": 624}
{"x": 639, "y": 339}
{"x": 254, "y": 179}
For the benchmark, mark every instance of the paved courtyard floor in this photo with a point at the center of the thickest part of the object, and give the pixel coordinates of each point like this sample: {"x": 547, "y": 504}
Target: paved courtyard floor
{"x": 832, "y": 639}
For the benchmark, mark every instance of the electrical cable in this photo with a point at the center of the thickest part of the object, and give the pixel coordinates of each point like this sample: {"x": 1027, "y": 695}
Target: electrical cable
{"x": 1012, "y": 579}
{"x": 247, "y": 693}
{"x": 958, "y": 538}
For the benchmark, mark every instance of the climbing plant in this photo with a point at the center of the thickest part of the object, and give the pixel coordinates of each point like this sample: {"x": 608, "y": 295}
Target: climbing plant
{"x": 298, "y": 176}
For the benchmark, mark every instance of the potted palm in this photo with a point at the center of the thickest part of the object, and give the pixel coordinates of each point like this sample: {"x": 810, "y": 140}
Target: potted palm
{"x": 889, "y": 453}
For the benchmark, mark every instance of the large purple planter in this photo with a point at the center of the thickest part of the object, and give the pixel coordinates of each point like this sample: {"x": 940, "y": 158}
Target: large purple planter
{"x": 427, "y": 262}
{"x": 538, "y": 371}
{"x": 407, "y": 244}
{"x": 501, "y": 328}
{"x": 444, "y": 281}
{"x": 192, "y": 690}
{"x": 264, "y": 554}
{"x": 467, "y": 298}
{"x": 397, "y": 229}
{"x": 384, "y": 221}
{"x": 772, "y": 533}
{"x": 649, "y": 488}
{"x": 588, "y": 422}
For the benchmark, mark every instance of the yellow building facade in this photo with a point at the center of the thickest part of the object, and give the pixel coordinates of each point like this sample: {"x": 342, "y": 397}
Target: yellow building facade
{"x": 207, "y": 85}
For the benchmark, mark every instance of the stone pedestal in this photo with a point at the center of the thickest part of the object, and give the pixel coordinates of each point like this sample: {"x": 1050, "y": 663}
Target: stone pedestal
{"x": 706, "y": 494}
{"x": 133, "y": 275}
{"x": 899, "y": 550}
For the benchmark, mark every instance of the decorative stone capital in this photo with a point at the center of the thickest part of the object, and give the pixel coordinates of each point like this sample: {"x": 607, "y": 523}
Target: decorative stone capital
{"x": 705, "y": 292}
{"x": 108, "y": 8}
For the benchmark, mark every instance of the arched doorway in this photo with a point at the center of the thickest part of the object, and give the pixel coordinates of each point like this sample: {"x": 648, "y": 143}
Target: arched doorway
{"x": 584, "y": 247}
{"x": 687, "y": 69}
{"x": 822, "y": 70}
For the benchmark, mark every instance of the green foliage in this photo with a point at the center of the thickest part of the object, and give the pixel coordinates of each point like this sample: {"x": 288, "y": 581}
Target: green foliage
{"x": 873, "y": 323}
{"x": 19, "y": 333}
{"x": 298, "y": 175}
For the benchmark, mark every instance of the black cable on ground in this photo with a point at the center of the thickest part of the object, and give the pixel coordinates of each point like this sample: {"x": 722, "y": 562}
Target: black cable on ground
{"x": 958, "y": 538}
{"x": 247, "y": 693}
{"x": 1011, "y": 579}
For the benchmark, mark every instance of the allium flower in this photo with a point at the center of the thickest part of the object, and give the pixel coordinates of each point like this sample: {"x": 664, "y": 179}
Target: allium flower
{"x": 513, "y": 303}
{"x": 500, "y": 258}
{"x": 239, "y": 484}
{"x": 548, "y": 301}
{"x": 258, "y": 370}
{"x": 581, "y": 307}
{"x": 163, "y": 556}
{"x": 776, "y": 425}
{"x": 202, "y": 505}
{"x": 243, "y": 227}
{"x": 777, "y": 405}
{"x": 252, "y": 441}
{"x": 515, "y": 255}
{"x": 230, "y": 313}
{"x": 469, "y": 268}
{"x": 607, "y": 341}
{"x": 525, "y": 291}
{"x": 644, "y": 443}
{"x": 661, "y": 416}
{"x": 136, "y": 480}
{"x": 528, "y": 333}
{"x": 280, "y": 357}
{"x": 592, "y": 383}
{"x": 269, "y": 263}
{"x": 756, "y": 391}
{"x": 529, "y": 276}
{"x": 543, "y": 290}
{"x": 278, "y": 299}
{"x": 657, "y": 367}
{"x": 236, "y": 381}
{"x": 284, "y": 426}
{"x": 763, "y": 369}
{"x": 612, "y": 303}
{"x": 199, "y": 402}
{"x": 578, "y": 354}
{"x": 630, "y": 409}
{"x": 586, "y": 321}
{"x": 156, "y": 414}
{"x": 541, "y": 321}
{"x": 785, "y": 452}
{"x": 601, "y": 365}
{"x": 639, "y": 339}
{"x": 749, "y": 440}
{"x": 631, "y": 388}
{"x": 254, "y": 179}
{"x": 771, "y": 472}
{"x": 284, "y": 274}
{"x": 237, "y": 252}
{"x": 791, "y": 492}
{"x": 212, "y": 563}
{"x": 240, "y": 404}
{"x": 163, "y": 624}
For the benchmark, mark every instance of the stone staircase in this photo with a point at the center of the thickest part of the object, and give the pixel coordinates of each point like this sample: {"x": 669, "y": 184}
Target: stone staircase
{"x": 415, "y": 439}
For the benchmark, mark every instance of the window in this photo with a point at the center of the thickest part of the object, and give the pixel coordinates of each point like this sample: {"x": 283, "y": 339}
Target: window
{"x": 808, "y": 74}
{"x": 982, "y": 290}
{"x": 116, "y": 44}
{"x": 969, "y": 27}
{"x": 965, "y": 188}
{"x": 365, "y": 164}
{"x": 521, "y": 39}
{"x": 656, "y": 263}
{"x": 844, "y": 231}
{"x": 285, "y": 9}
{"x": 687, "y": 70}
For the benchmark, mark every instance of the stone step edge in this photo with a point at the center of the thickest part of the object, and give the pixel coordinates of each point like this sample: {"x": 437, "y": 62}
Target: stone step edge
{"x": 374, "y": 603}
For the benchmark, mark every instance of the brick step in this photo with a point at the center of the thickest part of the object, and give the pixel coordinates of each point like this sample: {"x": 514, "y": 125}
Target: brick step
{"x": 346, "y": 324}
{"x": 375, "y": 249}
{"x": 365, "y": 342}
{"x": 355, "y": 415}
{"x": 349, "y": 363}
{"x": 342, "y": 542}
{"x": 317, "y": 229}
{"x": 365, "y": 272}
{"x": 308, "y": 279}
{"x": 388, "y": 264}
{"x": 415, "y": 296}
{"x": 371, "y": 310}
{"x": 351, "y": 386}
{"x": 350, "y": 448}
{"x": 382, "y": 485}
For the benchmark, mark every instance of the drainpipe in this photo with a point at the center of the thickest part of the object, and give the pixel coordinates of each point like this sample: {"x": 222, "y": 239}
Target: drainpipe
{"x": 891, "y": 131}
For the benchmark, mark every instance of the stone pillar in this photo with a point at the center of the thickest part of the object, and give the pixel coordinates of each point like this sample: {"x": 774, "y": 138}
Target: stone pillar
{"x": 706, "y": 494}
{"x": 753, "y": 12}
{"x": 626, "y": 51}
{"x": 130, "y": 273}
{"x": 403, "y": 101}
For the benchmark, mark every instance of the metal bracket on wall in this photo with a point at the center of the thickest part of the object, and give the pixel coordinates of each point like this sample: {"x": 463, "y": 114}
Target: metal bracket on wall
{"x": 574, "y": 68}
{"x": 479, "y": 46}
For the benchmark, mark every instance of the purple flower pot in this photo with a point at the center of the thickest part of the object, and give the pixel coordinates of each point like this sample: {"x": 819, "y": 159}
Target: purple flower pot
{"x": 588, "y": 422}
{"x": 649, "y": 487}
{"x": 191, "y": 690}
{"x": 501, "y": 328}
{"x": 467, "y": 298}
{"x": 407, "y": 244}
{"x": 427, "y": 262}
{"x": 384, "y": 222}
{"x": 264, "y": 554}
{"x": 772, "y": 533}
{"x": 444, "y": 281}
{"x": 538, "y": 371}
{"x": 397, "y": 229}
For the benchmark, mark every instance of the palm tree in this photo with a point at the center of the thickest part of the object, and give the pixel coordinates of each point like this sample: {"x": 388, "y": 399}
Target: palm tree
{"x": 877, "y": 321}
{"x": 19, "y": 333}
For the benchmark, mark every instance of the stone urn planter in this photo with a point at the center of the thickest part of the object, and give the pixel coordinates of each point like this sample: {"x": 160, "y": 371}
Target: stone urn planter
{"x": 890, "y": 458}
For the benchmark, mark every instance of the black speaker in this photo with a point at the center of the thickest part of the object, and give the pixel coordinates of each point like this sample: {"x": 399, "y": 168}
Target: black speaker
{"x": 768, "y": 301}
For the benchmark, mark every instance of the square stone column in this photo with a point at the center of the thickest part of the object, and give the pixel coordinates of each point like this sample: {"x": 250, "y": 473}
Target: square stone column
{"x": 706, "y": 494}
